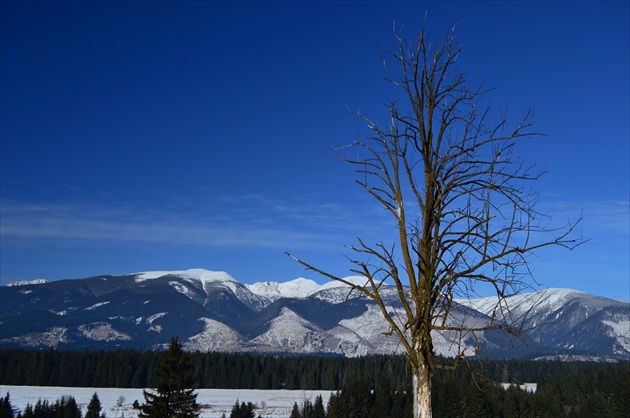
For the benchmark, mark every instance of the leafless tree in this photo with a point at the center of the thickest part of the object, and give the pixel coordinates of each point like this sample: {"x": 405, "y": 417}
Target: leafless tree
{"x": 452, "y": 180}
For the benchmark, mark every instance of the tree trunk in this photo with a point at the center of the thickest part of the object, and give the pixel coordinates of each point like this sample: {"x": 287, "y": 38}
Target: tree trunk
{"x": 422, "y": 393}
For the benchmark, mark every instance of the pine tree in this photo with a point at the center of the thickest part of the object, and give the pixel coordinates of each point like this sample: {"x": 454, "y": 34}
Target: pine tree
{"x": 94, "y": 408}
{"x": 174, "y": 396}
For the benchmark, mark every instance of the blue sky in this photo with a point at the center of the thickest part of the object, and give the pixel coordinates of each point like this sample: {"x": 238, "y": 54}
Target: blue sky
{"x": 170, "y": 135}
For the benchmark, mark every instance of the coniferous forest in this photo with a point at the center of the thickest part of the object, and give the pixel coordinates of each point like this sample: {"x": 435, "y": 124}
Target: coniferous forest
{"x": 375, "y": 386}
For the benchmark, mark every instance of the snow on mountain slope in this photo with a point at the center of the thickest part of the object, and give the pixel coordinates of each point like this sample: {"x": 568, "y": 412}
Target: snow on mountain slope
{"x": 366, "y": 334}
{"x": 216, "y": 336}
{"x": 543, "y": 301}
{"x": 303, "y": 288}
{"x": 28, "y": 282}
{"x": 566, "y": 319}
{"x": 619, "y": 329}
{"x": 332, "y": 284}
{"x": 201, "y": 275}
{"x": 207, "y": 280}
{"x": 290, "y": 332}
{"x": 52, "y": 337}
{"x": 337, "y": 292}
{"x": 102, "y": 331}
{"x": 332, "y": 291}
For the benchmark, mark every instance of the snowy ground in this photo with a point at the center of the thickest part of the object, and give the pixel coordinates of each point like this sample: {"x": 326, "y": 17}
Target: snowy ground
{"x": 215, "y": 402}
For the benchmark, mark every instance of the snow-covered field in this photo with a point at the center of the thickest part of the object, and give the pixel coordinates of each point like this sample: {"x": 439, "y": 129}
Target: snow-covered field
{"x": 215, "y": 402}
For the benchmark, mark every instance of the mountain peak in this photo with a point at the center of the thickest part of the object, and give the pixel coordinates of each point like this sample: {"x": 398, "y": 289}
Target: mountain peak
{"x": 298, "y": 288}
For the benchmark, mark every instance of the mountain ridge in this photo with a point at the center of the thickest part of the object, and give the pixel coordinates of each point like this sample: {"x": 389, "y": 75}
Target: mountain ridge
{"x": 211, "y": 310}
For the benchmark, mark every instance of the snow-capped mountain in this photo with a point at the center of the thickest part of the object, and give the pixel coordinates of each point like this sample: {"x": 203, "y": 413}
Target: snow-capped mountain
{"x": 566, "y": 318}
{"x": 212, "y": 311}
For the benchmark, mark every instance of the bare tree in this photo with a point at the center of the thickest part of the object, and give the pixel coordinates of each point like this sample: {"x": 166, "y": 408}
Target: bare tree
{"x": 455, "y": 187}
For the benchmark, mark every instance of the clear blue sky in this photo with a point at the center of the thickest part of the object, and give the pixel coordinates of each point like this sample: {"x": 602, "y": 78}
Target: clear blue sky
{"x": 171, "y": 135}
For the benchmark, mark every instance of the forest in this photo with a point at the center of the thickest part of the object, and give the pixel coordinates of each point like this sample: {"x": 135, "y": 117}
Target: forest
{"x": 374, "y": 386}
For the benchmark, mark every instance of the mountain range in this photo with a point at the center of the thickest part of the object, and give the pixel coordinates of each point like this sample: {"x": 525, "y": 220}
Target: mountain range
{"x": 212, "y": 311}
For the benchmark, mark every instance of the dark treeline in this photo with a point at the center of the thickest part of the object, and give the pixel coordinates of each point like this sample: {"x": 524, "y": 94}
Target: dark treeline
{"x": 375, "y": 386}
{"x": 584, "y": 390}
{"x": 131, "y": 368}
{"x": 135, "y": 369}
{"x": 573, "y": 390}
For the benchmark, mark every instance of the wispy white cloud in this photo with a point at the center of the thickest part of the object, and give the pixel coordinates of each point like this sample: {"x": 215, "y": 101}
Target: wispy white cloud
{"x": 609, "y": 216}
{"x": 254, "y": 221}
{"x": 599, "y": 219}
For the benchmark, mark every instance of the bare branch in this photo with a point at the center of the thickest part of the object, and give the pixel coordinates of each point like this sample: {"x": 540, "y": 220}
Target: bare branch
{"x": 458, "y": 193}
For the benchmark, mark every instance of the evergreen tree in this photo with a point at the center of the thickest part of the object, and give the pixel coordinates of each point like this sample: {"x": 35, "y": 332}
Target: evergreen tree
{"x": 66, "y": 407}
{"x": 242, "y": 410}
{"x": 318, "y": 408}
{"x": 28, "y": 411}
{"x": 335, "y": 405}
{"x": 307, "y": 409}
{"x": 6, "y": 410}
{"x": 94, "y": 408}
{"x": 383, "y": 400}
{"x": 42, "y": 409}
{"x": 176, "y": 379}
{"x": 295, "y": 412}
{"x": 354, "y": 401}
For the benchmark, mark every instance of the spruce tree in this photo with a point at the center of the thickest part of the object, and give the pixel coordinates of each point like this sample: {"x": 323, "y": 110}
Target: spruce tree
{"x": 64, "y": 407}
{"x": 6, "y": 410}
{"x": 335, "y": 405}
{"x": 319, "y": 411}
{"x": 242, "y": 410}
{"x": 295, "y": 412}
{"x": 94, "y": 408}
{"x": 28, "y": 411}
{"x": 176, "y": 379}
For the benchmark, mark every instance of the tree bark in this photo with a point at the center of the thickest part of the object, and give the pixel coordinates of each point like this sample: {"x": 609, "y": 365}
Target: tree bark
{"x": 422, "y": 394}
